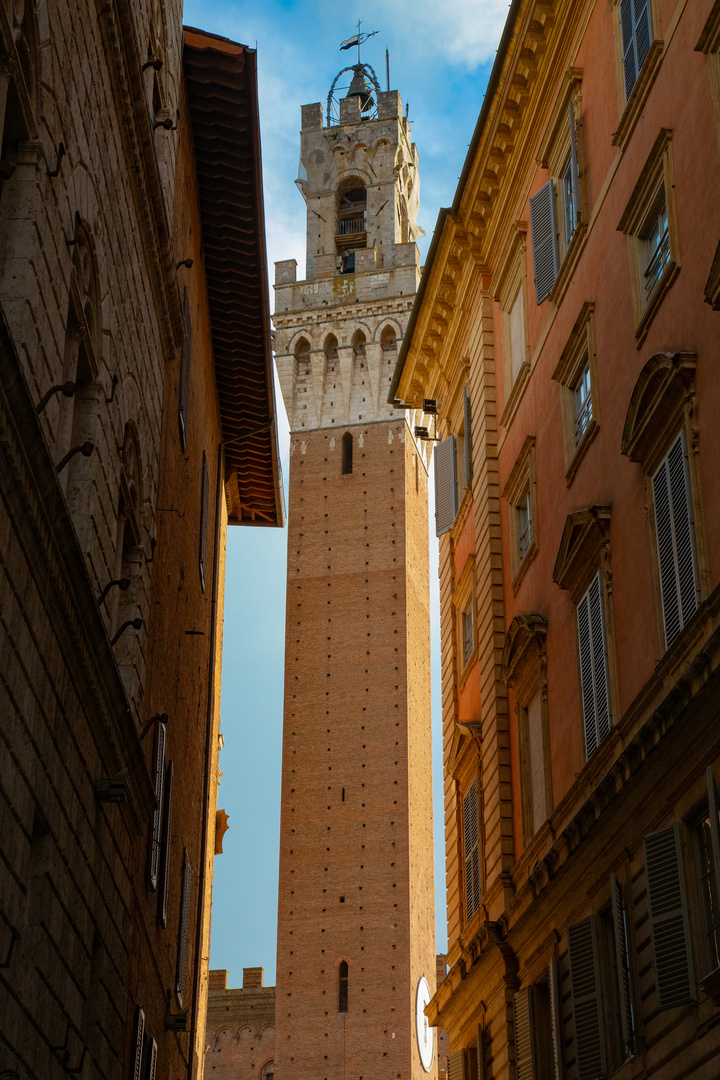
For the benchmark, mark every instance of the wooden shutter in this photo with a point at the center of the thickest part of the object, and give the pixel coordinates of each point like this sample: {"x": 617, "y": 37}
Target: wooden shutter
{"x": 544, "y": 240}
{"x": 574, "y": 167}
{"x": 157, "y": 814}
{"x": 586, "y": 999}
{"x": 445, "y": 485}
{"x": 555, "y": 1036}
{"x": 627, "y": 25}
{"x": 166, "y": 846}
{"x": 139, "y": 1041}
{"x": 675, "y": 535}
{"x": 480, "y": 1053}
{"x": 204, "y": 506}
{"x": 643, "y": 30}
{"x": 471, "y": 850}
{"x": 595, "y": 686}
{"x": 668, "y": 917}
{"x": 184, "y": 922}
{"x": 622, "y": 961}
{"x": 467, "y": 423}
{"x": 714, "y": 825}
{"x": 456, "y": 1065}
{"x": 525, "y": 1068}
{"x": 185, "y": 370}
{"x": 151, "y": 1060}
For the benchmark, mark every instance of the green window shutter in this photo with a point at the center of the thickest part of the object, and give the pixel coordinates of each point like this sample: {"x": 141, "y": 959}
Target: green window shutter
{"x": 184, "y": 393}
{"x": 152, "y": 1060}
{"x": 714, "y": 825}
{"x": 445, "y": 467}
{"x": 589, "y": 1028}
{"x": 555, "y": 1036}
{"x": 675, "y": 535}
{"x": 471, "y": 850}
{"x": 622, "y": 960}
{"x": 544, "y": 240}
{"x": 157, "y": 813}
{"x": 467, "y": 418}
{"x": 139, "y": 1041}
{"x": 595, "y": 683}
{"x": 184, "y": 924}
{"x": 525, "y": 1065}
{"x": 204, "y": 507}
{"x": 574, "y": 166}
{"x": 669, "y": 927}
{"x": 456, "y": 1065}
{"x": 166, "y": 846}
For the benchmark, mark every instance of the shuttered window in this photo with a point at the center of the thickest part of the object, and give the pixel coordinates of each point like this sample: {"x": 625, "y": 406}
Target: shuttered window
{"x": 467, "y": 436}
{"x": 621, "y": 963}
{"x": 204, "y": 507}
{"x": 185, "y": 370}
{"x": 166, "y": 847}
{"x": 157, "y": 814}
{"x": 668, "y": 917}
{"x": 139, "y": 1043}
{"x": 480, "y": 1053}
{"x": 151, "y": 1052}
{"x": 709, "y": 844}
{"x": 675, "y": 533}
{"x": 636, "y": 27}
{"x": 588, "y": 1026}
{"x": 456, "y": 1065}
{"x": 184, "y": 923}
{"x": 555, "y": 1036}
{"x": 544, "y": 240}
{"x": 445, "y": 467}
{"x": 592, "y": 642}
{"x": 525, "y": 1066}
{"x": 471, "y": 851}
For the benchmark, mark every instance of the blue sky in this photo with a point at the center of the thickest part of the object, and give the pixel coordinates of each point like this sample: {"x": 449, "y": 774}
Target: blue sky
{"x": 440, "y": 59}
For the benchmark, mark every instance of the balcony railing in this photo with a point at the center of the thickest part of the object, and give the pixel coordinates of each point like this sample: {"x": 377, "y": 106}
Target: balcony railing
{"x": 351, "y": 226}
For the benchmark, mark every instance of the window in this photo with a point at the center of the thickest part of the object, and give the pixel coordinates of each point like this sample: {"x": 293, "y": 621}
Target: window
{"x": 510, "y": 293}
{"x": 594, "y": 674}
{"x": 164, "y": 871}
{"x": 586, "y": 993}
{"x": 351, "y": 224}
{"x": 636, "y": 30}
{"x": 468, "y": 635}
{"x": 621, "y": 994}
{"x": 675, "y": 535}
{"x": 183, "y": 928}
{"x": 576, "y": 373}
{"x": 536, "y": 1045}
{"x": 184, "y": 394}
{"x": 520, "y": 493}
{"x": 707, "y": 834}
{"x": 445, "y": 471}
{"x": 204, "y": 508}
{"x": 471, "y": 850}
{"x": 516, "y": 334}
{"x": 347, "y": 453}
{"x": 669, "y": 925}
{"x": 649, "y": 224}
{"x": 463, "y": 602}
{"x": 157, "y": 813}
{"x": 343, "y": 980}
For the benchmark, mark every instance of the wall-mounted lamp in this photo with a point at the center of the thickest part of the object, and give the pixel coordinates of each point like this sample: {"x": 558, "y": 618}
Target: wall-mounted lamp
{"x": 85, "y": 449}
{"x": 158, "y": 718}
{"x": 123, "y": 583}
{"x": 113, "y": 789}
{"x": 175, "y": 1021}
{"x": 166, "y": 124}
{"x": 67, "y": 388}
{"x": 153, "y": 63}
{"x": 430, "y": 406}
{"x": 184, "y": 262}
{"x": 136, "y": 624}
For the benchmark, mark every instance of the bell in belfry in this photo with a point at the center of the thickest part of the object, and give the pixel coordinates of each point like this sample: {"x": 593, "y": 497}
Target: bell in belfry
{"x": 359, "y": 88}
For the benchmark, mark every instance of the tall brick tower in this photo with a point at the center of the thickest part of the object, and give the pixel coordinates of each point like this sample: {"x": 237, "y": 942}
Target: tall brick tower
{"x": 356, "y": 928}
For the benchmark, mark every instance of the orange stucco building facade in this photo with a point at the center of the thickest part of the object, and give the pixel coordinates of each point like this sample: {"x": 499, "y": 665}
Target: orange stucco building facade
{"x": 566, "y": 327}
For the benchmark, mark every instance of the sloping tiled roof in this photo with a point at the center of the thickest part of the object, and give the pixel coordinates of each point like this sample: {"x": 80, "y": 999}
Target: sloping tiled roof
{"x": 221, "y": 81}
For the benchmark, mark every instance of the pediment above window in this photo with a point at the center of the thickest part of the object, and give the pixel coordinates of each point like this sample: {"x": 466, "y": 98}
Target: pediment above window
{"x": 585, "y": 534}
{"x": 464, "y": 735}
{"x": 665, "y": 386}
{"x": 524, "y": 644}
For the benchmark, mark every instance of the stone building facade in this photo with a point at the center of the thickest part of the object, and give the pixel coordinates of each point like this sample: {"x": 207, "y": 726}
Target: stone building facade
{"x": 356, "y": 908}
{"x": 111, "y": 543}
{"x": 566, "y": 325}
{"x": 240, "y": 1034}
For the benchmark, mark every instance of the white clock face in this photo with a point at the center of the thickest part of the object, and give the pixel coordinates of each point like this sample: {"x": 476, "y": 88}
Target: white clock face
{"x": 425, "y": 1034}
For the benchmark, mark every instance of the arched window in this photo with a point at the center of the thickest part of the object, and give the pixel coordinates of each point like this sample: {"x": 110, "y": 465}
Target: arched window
{"x": 343, "y": 987}
{"x": 347, "y": 451}
{"x": 331, "y": 348}
{"x": 267, "y": 1071}
{"x": 358, "y": 344}
{"x": 388, "y": 341}
{"x": 302, "y": 351}
{"x": 351, "y": 225}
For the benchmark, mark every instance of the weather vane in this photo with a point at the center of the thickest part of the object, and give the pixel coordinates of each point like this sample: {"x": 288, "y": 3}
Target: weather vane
{"x": 358, "y": 39}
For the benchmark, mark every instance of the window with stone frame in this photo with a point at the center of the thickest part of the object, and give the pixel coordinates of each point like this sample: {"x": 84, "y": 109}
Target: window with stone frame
{"x": 709, "y": 44}
{"x": 557, "y": 216}
{"x": 471, "y": 850}
{"x": 650, "y": 225}
{"x": 538, "y": 1049}
{"x": 583, "y": 568}
{"x": 576, "y": 374}
{"x": 660, "y": 433}
{"x": 521, "y": 497}
{"x": 639, "y": 51}
{"x": 463, "y": 605}
{"x": 524, "y": 671}
{"x": 706, "y": 830}
{"x": 511, "y": 295}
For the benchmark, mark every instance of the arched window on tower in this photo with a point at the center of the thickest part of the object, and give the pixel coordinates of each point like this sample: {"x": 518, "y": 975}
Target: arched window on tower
{"x": 351, "y": 226}
{"x": 358, "y": 344}
{"x": 347, "y": 451}
{"x": 388, "y": 341}
{"x": 331, "y": 348}
{"x": 343, "y": 987}
{"x": 302, "y": 351}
